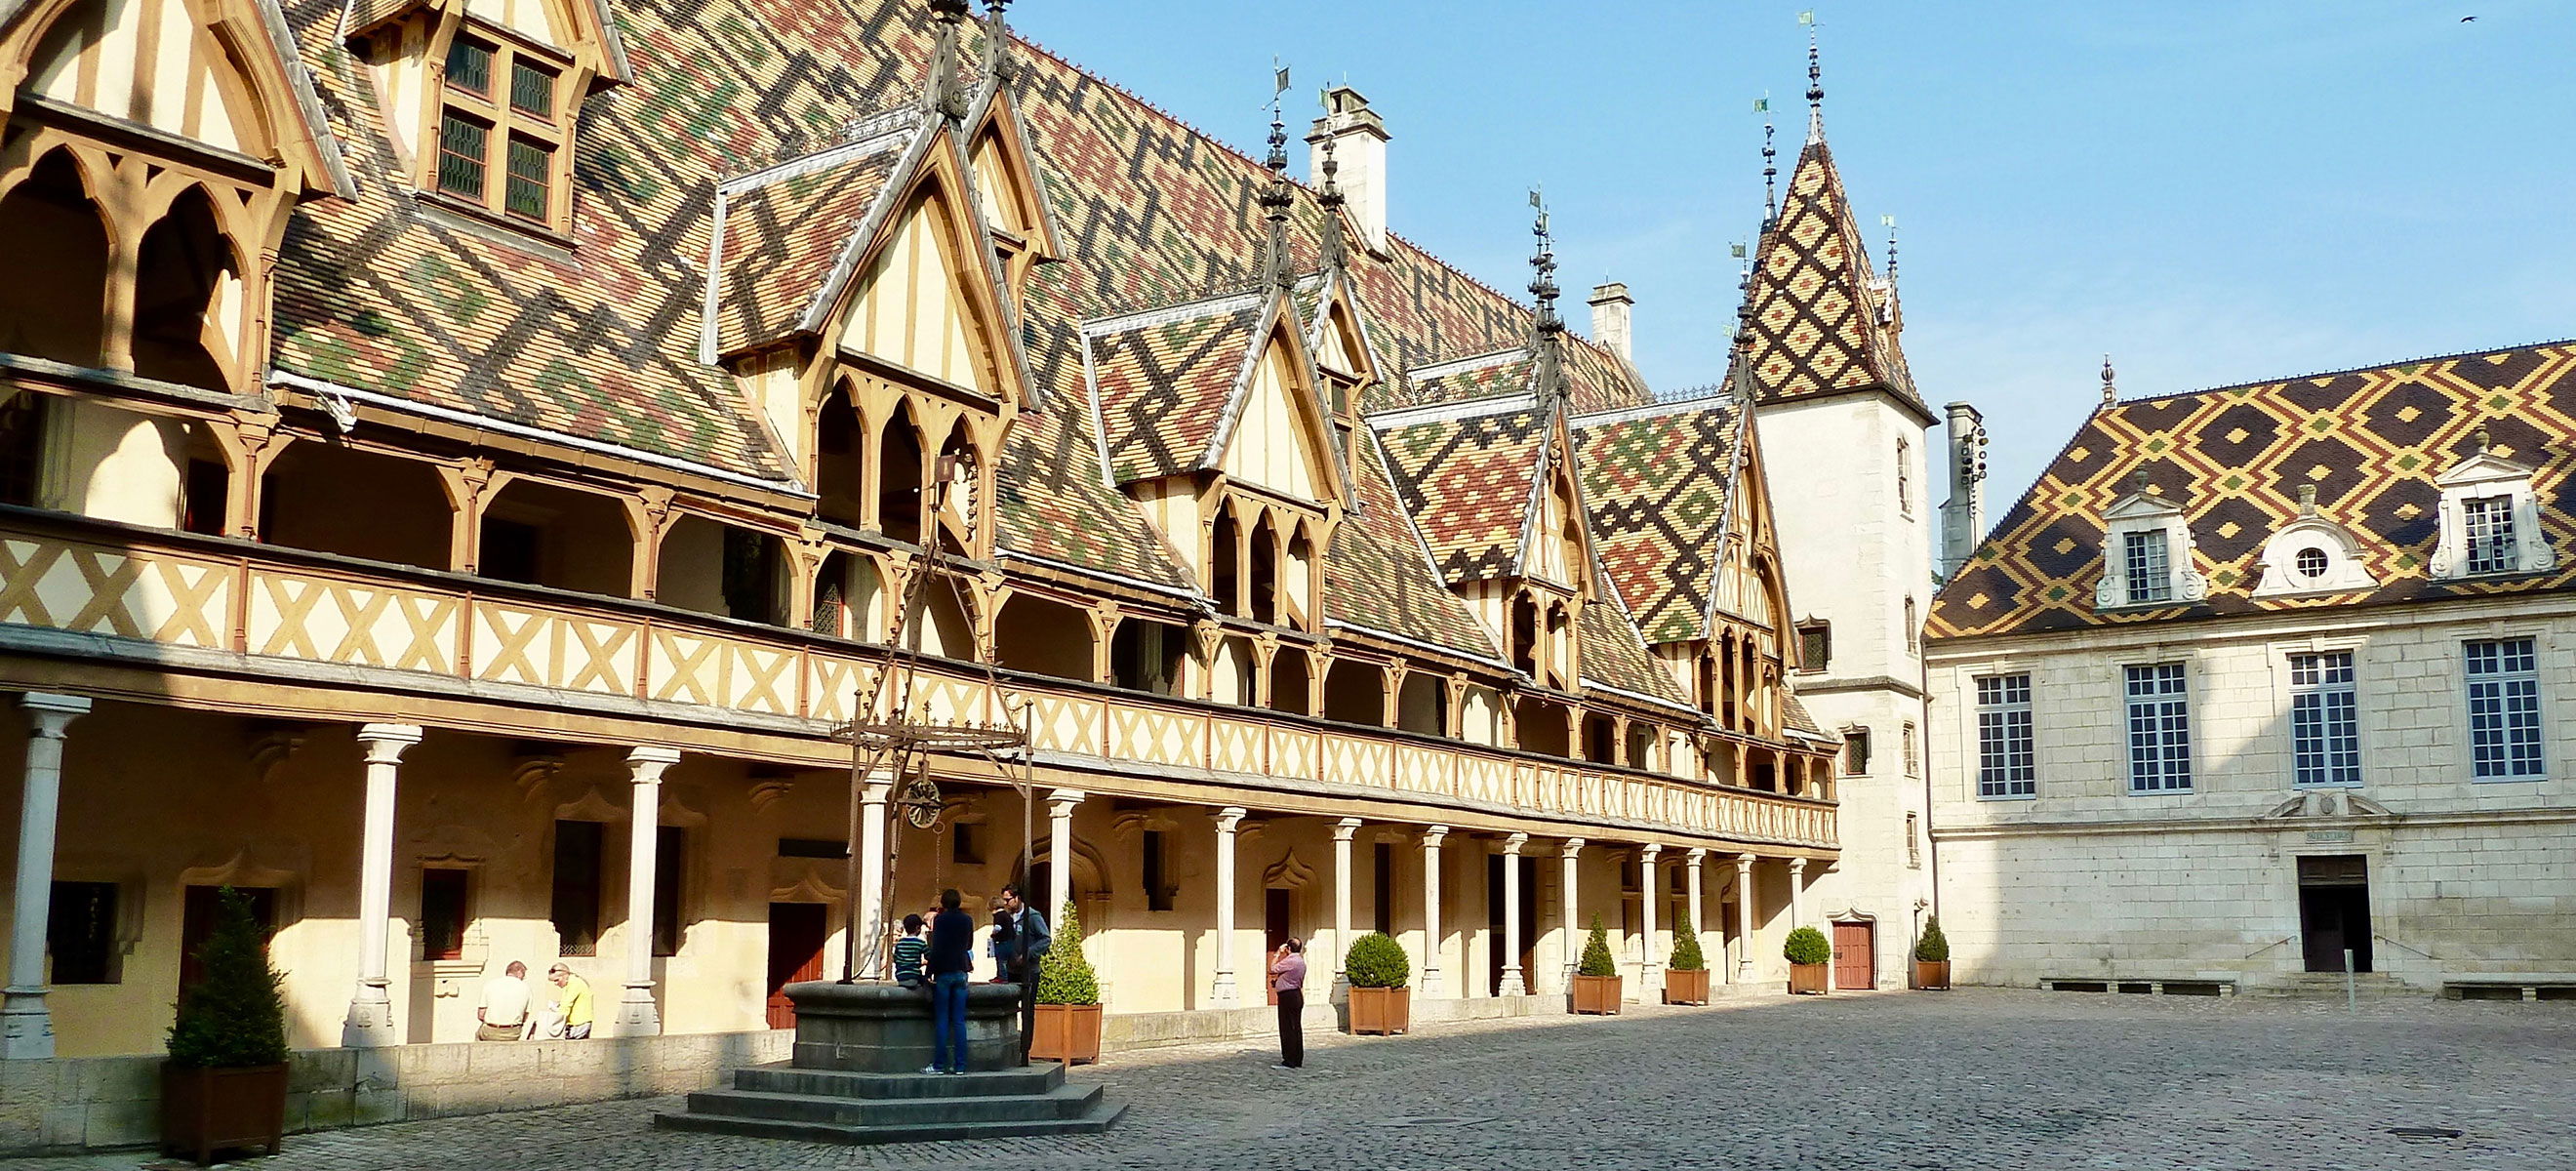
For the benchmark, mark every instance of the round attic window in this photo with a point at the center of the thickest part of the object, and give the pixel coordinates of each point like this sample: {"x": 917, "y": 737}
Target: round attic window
{"x": 2312, "y": 562}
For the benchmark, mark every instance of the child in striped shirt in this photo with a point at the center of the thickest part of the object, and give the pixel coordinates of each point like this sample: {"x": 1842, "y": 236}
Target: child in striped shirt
{"x": 908, "y": 952}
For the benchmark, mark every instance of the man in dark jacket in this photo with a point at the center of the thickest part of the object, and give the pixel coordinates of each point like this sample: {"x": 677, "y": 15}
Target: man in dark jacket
{"x": 1033, "y": 941}
{"x": 952, "y": 956}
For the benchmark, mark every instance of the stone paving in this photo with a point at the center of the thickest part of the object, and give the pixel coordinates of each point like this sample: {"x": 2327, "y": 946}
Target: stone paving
{"x": 1982, "y": 1079}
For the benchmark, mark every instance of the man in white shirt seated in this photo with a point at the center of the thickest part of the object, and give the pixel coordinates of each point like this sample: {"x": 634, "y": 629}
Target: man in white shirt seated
{"x": 504, "y": 1008}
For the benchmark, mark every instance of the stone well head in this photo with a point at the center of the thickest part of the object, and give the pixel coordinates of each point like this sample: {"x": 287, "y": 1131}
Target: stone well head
{"x": 885, "y": 1028}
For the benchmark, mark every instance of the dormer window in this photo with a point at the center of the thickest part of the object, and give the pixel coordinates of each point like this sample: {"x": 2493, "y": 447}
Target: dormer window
{"x": 2489, "y": 523}
{"x": 501, "y": 142}
{"x": 2312, "y": 555}
{"x": 2490, "y": 519}
{"x": 2146, "y": 554}
{"x": 2147, "y": 567}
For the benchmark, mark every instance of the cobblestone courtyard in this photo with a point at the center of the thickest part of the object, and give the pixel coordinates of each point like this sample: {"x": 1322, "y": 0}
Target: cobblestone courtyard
{"x": 1971, "y": 1079}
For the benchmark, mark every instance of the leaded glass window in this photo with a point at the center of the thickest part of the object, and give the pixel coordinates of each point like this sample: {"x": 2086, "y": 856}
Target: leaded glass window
{"x": 462, "y": 148}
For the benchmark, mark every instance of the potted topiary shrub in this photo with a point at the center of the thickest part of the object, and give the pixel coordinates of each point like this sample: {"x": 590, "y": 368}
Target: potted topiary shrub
{"x": 1068, "y": 1019}
{"x": 1810, "y": 959}
{"x": 1596, "y": 977}
{"x": 224, "y": 1086}
{"x": 1932, "y": 956}
{"x": 1378, "y": 970}
{"x": 1686, "y": 978}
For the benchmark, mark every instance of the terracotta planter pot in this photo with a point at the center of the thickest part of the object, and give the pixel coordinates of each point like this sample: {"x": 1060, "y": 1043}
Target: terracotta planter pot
{"x": 1383, "y": 1011}
{"x": 1686, "y": 987}
{"x": 1597, "y": 995}
{"x": 1815, "y": 978}
{"x": 1069, "y": 1033}
{"x": 208, "y": 1110}
{"x": 1931, "y": 973}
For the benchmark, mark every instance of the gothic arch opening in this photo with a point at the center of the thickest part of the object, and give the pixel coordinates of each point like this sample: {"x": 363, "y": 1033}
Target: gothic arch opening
{"x": 1223, "y": 557}
{"x": 1292, "y": 680}
{"x": 1265, "y": 571}
{"x": 941, "y": 622}
{"x": 49, "y": 225}
{"x": 1355, "y": 693}
{"x": 1422, "y": 704}
{"x": 187, "y": 297}
{"x": 960, "y": 482}
{"x": 1044, "y": 637}
{"x": 900, "y": 477}
{"x": 846, "y": 597}
{"x": 1145, "y": 655}
{"x": 840, "y": 461}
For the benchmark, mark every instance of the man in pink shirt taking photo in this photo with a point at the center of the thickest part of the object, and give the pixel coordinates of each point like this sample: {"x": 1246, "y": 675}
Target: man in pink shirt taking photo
{"x": 1288, "y": 979}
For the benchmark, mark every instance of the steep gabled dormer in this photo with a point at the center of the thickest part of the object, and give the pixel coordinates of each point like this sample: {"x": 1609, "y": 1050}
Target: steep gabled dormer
{"x": 2147, "y": 560}
{"x": 2491, "y": 520}
{"x": 1003, "y": 165}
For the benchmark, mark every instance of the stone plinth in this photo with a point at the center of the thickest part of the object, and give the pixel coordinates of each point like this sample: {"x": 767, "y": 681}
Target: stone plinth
{"x": 885, "y": 1028}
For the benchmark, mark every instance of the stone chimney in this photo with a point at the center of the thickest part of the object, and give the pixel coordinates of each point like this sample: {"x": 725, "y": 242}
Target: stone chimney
{"x": 1610, "y": 306}
{"x": 1963, "y": 515}
{"x": 1359, "y": 146}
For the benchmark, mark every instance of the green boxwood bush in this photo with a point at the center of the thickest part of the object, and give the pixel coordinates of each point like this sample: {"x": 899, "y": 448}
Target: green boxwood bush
{"x": 1686, "y": 953}
{"x": 1376, "y": 960}
{"x": 1934, "y": 947}
{"x": 1596, "y": 953}
{"x": 1807, "y": 946}
{"x": 234, "y": 1018}
{"x": 1064, "y": 976}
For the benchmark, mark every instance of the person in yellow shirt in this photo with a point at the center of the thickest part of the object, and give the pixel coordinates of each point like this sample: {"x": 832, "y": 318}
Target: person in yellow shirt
{"x": 572, "y": 1004}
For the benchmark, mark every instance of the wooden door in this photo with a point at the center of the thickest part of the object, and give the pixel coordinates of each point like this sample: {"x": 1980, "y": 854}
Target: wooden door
{"x": 1855, "y": 959}
{"x": 1274, "y": 931}
{"x": 796, "y": 935}
{"x": 2334, "y": 912}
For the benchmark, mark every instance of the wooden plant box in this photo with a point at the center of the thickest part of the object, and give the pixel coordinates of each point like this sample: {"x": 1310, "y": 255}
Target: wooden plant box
{"x": 1069, "y": 1033}
{"x": 1597, "y": 995}
{"x": 1932, "y": 973}
{"x": 1382, "y": 1011}
{"x": 1686, "y": 987}
{"x": 208, "y": 1110}
{"x": 1810, "y": 978}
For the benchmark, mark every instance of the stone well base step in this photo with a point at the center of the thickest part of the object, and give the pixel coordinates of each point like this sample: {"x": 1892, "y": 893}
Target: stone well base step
{"x": 834, "y": 1106}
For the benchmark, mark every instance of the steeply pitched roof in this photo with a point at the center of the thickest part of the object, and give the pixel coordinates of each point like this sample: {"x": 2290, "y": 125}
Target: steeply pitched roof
{"x": 785, "y": 230}
{"x": 1819, "y": 322}
{"x": 1657, "y": 480}
{"x": 1378, "y": 575}
{"x": 1468, "y": 475}
{"x": 1613, "y": 656}
{"x": 2233, "y": 459}
{"x": 1160, "y": 381}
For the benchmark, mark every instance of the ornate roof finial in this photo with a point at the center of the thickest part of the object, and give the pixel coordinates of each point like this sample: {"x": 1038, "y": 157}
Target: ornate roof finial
{"x": 1275, "y": 197}
{"x": 1815, "y": 81}
{"x": 2110, "y": 393}
{"x": 1888, "y": 313}
{"x": 998, "y": 64}
{"x": 1770, "y": 164}
{"x": 1549, "y": 326}
{"x": 1336, "y": 253}
{"x": 2486, "y": 441}
{"x": 942, "y": 97}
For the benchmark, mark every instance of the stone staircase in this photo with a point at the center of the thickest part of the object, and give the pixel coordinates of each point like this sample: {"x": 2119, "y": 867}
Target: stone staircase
{"x": 2329, "y": 986}
{"x": 840, "y": 1106}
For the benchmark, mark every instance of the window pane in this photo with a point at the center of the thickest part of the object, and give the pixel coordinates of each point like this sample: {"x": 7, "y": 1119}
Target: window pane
{"x": 532, "y": 89}
{"x": 2159, "y": 729}
{"x": 442, "y": 914}
{"x": 2147, "y": 567}
{"x": 2490, "y": 535}
{"x": 2325, "y": 725}
{"x": 2006, "y": 766}
{"x": 469, "y": 65}
{"x": 2504, "y": 708}
{"x": 530, "y": 167}
{"x": 462, "y": 143}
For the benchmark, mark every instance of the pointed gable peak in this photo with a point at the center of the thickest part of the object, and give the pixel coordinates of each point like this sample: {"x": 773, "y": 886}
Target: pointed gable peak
{"x": 1814, "y": 313}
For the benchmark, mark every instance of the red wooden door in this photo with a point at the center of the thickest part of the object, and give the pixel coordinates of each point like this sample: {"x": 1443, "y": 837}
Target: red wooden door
{"x": 1855, "y": 961}
{"x": 796, "y": 934}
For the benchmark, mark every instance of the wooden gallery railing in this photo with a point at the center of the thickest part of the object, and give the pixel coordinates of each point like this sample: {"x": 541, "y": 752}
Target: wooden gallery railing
{"x": 179, "y": 590}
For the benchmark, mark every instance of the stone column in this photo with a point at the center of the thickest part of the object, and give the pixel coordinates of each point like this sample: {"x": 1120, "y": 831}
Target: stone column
{"x": 1514, "y": 983}
{"x": 1060, "y": 803}
{"x": 1223, "y": 994}
{"x": 1573, "y": 921}
{"x": 637, "y": 1015}
{"x": 1744, "y": 917}
{"x": 1797, "y": 893}
{"x": 868, "y": 907}
{"x": 1699, "y": 924}
{"x": 1342, "y": 831}
{"x": 371, "y": 1010}
{"x": 26, "y": 1029}
{"x": 1649, "y": 867}
{"x": 1431, "y": 984}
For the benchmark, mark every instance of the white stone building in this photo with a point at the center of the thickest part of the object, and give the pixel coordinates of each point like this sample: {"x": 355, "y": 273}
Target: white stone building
{"x": 2258, "y": 676}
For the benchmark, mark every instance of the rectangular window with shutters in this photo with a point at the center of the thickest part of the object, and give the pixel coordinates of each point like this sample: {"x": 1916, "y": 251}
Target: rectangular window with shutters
{"x": 670, "y": 864}
{"x": 2005, "y": 764}
{"x": 2325, "y": 720}
{"x": 80, "y": 934}
{"x": 578, "y": 864}
{"x": 443, "y": 913}
{"x": 464, "y": 150}
{"x": 2159, "y": 729}
{"x": 532, "y": 90}
{"x": 532, "y": 164}
{"x": 2504, "y": 709}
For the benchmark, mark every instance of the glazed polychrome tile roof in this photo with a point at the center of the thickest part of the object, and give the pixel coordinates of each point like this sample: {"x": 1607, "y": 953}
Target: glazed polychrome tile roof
{"x": 1657, "y": 481}
{"x": 1819, "y": 320}
{"x": 1613, "y": 655}
{"x": 1161, "y": 381}
{"x": 784, "y": 233}
{"x": 1469, "y": 479}
{"x": 2233, "y": 460}
{"x": 1378, "y": 576}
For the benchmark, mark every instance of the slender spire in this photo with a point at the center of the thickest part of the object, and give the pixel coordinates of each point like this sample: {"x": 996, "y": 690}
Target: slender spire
{"x": 1815, "y": 89}
{"x": 942, "y": 97}
{"x": 2110, "y": 393}
{"x": 1546, "y": 331}
{"x": 998, "y": 65}
{"x": 1275, "y": 197}
{"x": 1888, "y": 313}
{"x": 1770, "y": 167}
{"x": 1336, "y": 253}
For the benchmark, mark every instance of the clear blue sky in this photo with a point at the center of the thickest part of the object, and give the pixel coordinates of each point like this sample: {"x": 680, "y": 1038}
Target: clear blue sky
{"x": 2213, "y": 193}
